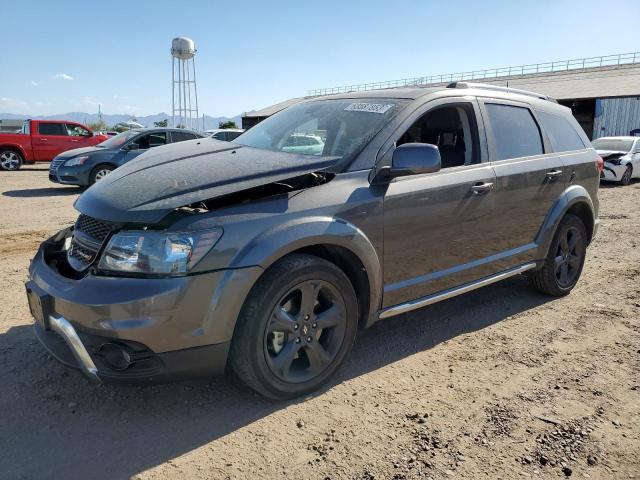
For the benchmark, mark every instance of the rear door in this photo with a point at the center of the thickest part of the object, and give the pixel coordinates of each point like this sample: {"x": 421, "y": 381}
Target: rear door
{"x": 182, "y": 136}
{"x": 49, "y": 140}
{"x": 530, "y": 177}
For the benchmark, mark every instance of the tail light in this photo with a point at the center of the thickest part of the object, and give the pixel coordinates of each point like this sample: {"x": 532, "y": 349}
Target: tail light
{"x": 600, "y": 164}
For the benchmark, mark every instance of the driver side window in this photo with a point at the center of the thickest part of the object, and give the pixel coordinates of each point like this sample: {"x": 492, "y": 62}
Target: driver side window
{"x": 453, "y": 129}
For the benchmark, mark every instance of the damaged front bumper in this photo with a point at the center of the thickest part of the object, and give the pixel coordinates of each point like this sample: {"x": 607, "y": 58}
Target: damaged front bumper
{"x": 135, "y": 329}
{"x": 612, "y": 172}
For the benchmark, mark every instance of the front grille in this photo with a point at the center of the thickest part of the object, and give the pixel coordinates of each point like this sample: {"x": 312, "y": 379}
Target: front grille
{"x": 88, "y": 237}
{"x": 55, "y": 163}
{"x": 96, "y": 229}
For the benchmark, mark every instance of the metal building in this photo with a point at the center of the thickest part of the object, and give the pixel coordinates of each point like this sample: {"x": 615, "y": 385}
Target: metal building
{"x": 603, "y": 92}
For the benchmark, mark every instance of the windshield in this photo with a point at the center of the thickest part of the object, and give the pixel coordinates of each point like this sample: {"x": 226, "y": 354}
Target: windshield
{"x": 323, "y": 128}
{"x": 617, "y": 144}
{"x": 119, "y": 139}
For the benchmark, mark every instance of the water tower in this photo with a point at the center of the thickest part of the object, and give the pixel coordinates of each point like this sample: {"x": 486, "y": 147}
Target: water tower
{"x": 185, "y": 92}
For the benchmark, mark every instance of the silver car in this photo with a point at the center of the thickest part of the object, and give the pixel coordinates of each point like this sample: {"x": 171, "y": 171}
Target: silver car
{"x": 621, "y": 157}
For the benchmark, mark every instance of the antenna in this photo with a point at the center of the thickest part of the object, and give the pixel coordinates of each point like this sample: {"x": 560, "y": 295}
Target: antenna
{"x": 184, "y": 90}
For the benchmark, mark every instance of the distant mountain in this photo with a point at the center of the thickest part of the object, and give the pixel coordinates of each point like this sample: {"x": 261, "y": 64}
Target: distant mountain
{"x": 82, "y": 117}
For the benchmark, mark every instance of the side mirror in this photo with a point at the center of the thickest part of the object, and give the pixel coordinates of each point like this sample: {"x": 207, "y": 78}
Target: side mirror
{"x": 132, "y": 146}
{"x": 412, "y": 159}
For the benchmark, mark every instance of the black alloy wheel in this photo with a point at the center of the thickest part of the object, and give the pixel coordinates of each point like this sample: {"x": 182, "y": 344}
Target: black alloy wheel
{"x": 569, "y": 256}
{"x": 562, "y": 267}
{"x": 296, "y": 327}
{"x": 305, "y": 331}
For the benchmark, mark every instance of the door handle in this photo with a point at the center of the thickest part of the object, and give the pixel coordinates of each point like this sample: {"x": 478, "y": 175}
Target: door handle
{"x": 482, "y": 188}
{"x": 43, "y": 139}
{"x": 74, "y": 140}
{"x": 553, "y": 174}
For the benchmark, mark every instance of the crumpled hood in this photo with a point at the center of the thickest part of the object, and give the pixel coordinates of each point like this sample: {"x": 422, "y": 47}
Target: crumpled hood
{"x": 149, "y": 187}
{"x": 79, "y": 151}
{"x": 610, "y": 153}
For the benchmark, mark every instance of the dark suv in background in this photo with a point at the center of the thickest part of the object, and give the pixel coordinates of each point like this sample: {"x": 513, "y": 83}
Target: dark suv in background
{"x": 85, "y": 166}
{"x": 205, "y": 255}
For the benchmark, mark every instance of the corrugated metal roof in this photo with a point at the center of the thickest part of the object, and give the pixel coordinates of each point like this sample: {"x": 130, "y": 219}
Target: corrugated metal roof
{"x": 597, "y": 82}
{"x": 268, "y": 111}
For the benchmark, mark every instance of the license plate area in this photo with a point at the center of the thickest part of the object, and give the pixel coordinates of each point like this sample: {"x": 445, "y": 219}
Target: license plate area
{"x": 40, "y": 304}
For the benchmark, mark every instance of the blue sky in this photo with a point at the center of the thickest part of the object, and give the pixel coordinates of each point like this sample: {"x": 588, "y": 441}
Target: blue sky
{"x": 69, "y": 56}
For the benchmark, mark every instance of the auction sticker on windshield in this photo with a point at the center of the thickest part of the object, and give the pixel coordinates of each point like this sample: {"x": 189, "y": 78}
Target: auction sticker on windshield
{"x": 369, "y": 107}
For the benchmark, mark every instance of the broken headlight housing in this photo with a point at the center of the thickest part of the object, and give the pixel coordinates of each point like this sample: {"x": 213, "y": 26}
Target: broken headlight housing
{"x": 157, "y": 253}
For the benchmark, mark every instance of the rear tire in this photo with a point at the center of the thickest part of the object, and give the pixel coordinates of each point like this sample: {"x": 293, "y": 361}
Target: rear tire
{"x": 10, "y": 160}
{"x": 626, "y": 176}
{"x": 563, "y": 265}
{"x": 296, "y": 327}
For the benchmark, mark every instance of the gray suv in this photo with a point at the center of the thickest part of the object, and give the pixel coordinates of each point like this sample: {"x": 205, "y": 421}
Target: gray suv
{"x": 203, "y": 256}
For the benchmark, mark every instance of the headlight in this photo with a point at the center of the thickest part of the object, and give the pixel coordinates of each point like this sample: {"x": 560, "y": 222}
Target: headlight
{"x": 157, "y": 253}
{"x": 72, "y": 162}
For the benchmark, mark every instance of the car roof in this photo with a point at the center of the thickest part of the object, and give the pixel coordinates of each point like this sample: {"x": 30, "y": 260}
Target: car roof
{"x": 161, "y": 129}
{"x": 455, "y": 89}
{"x": 401, "y": 93}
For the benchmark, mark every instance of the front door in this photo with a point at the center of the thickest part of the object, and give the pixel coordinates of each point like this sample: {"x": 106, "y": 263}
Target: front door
{"x": 141, "y": 144}
{"x": 438, "y": 227}
{"x": 78, "y": 136}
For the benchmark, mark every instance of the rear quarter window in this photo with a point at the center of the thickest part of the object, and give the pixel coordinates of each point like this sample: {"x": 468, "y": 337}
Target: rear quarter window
{"x": 515, "y": 132}
{"x": 52, "y": 129}
{"x": 562, "y": 134}
{"x": 181, "y": 136}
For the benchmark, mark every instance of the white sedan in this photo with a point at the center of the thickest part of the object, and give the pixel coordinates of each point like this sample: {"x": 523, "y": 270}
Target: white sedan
{"x": 621, "y": 157}
{"x": 304, "y": 143}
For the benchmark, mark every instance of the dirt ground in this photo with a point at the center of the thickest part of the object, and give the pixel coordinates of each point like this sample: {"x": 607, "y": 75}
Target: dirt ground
{"x": 500, "y": 383}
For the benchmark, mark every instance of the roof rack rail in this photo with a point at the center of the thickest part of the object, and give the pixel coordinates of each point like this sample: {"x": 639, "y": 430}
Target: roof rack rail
{"x": 498, "y": 88}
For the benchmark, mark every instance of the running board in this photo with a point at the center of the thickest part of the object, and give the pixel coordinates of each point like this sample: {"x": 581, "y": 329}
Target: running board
{"x": 452, "y": 292}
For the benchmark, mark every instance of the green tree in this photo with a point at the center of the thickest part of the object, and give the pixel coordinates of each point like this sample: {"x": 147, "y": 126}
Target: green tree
{"x": 119, "y": 128}
{"x": 98, "y": 126}
{"x": 227, "y": 124}
{"x": 161, "y": 123}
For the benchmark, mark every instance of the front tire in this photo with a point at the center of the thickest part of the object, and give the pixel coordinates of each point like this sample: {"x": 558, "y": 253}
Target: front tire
{"x": 563, "y": 265}
{"x": 296, "y": 327}
{"x": 10, "y": 160}
{"x": 99, "y": 173}
{"x": 626, "y": 176}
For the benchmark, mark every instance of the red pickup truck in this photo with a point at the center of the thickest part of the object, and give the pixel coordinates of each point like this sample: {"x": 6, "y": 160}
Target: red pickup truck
{"x": 42, "y": 140}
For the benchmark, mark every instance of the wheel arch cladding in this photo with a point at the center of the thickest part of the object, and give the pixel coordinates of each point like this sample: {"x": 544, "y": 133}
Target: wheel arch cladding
{"x": 335, "y": 240}
{"x": 575, "y": 200}
{"x": 15, "y": 148}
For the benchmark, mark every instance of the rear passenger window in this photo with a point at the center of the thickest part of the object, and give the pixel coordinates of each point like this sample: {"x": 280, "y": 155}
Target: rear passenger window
{"x": 181, "y": 136}
{"x": 561, "y": 133}
{"x": 52, "y": 129}
{"x": 515, "y": 132}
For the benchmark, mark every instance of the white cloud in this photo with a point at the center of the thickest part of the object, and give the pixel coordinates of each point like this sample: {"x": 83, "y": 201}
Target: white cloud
{"x": 62, "y": 76}
{"x": 34, "y": 83}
